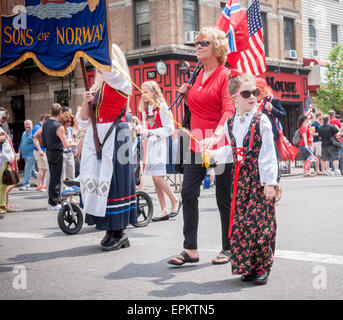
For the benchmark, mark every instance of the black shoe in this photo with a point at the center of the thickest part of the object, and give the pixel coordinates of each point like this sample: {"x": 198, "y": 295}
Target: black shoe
{"x": 247, "y": 277}
{"x": 107, "y": 237}
{"x": 157, "y": 219}
{"x": 261, "y": 277}
{"x": 116, "y": 243}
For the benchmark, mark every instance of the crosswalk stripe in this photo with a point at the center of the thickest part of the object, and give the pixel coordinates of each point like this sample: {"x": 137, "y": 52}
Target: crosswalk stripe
{"x": 21, "y": 235}
{"x": 308, "y": 256}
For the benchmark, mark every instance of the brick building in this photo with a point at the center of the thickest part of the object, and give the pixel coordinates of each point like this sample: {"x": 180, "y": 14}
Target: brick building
{"x": 162, "y": 32}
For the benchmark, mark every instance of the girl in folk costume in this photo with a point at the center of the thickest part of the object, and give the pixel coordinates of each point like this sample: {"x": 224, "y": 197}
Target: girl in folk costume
{"x": 252, "y": 221}
{"x": 108, "y": 185}
{"x": 158, "y": 127}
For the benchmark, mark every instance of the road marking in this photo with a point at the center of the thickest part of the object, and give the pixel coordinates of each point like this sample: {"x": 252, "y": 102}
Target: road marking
{"x": 283, "y": 254}
{"x": 21, "y": 235}
{"x": 308, "y": 256}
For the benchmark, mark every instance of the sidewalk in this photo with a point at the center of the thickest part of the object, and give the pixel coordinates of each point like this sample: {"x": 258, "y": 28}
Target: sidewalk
{"x": 149, "y": 187}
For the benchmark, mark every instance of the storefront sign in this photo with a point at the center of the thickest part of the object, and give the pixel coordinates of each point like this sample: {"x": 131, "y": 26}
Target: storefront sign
{"x": 288, "y": 88}
{"x": 151, "y": 74}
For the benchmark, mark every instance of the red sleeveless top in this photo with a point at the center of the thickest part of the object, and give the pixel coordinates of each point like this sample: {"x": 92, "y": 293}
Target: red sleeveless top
{"x": 111, "y": 102}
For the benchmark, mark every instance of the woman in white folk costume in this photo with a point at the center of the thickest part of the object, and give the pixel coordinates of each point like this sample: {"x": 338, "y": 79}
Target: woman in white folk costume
{"x": 252, "y": 219}
{"x": 158, "y": 127}
{"x": 108, "y": 185}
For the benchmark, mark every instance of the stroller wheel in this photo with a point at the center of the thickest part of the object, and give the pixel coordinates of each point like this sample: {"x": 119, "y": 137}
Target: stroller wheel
{"x": 70, "y": 219}
{"x": 145, "y": 209}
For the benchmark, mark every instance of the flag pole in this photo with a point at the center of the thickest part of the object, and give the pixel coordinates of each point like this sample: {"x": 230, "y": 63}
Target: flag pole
{"x": 191, "y": 80}
{"x": 91, "y": 111}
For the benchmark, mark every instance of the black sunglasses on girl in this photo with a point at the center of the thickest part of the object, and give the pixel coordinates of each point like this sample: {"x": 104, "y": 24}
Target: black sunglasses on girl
{"x": 203, "y": 43}
{"x": 247, "y": 93}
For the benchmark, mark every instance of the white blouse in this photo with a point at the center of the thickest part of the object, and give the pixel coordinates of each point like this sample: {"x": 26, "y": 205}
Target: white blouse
{"x": 267, "y": 161}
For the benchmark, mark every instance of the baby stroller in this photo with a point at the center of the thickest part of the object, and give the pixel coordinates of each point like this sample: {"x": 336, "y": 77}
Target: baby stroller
{"x": 70, "y": 217}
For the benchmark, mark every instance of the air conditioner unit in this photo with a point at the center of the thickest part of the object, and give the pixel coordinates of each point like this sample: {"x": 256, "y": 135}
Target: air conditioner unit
{"x": 190, "y": 37}
{"x": 314, "y": 52}
{"x": 291, "y": 54}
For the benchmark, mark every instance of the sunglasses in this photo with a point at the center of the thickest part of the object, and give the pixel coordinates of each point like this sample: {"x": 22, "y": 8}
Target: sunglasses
{"x": 203, "y": 43}
{"x": 247, "y": 93}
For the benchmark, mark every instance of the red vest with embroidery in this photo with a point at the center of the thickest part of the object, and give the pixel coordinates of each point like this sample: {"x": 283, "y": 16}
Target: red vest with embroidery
{"x": 111, "y": 102}
{"x": 154, "y": 121}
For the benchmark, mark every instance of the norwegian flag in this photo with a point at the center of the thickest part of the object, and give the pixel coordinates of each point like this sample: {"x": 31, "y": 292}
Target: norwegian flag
{"x": 308, "y": 107}
{"x": 253, "y": 60}
{"x": 234, "y": 22}
{"x": 311, "y": 158}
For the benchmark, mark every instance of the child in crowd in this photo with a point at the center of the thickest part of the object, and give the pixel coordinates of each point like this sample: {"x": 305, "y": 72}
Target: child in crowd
{"x": 157, "y": 126}
{"x": 252, "y": 222}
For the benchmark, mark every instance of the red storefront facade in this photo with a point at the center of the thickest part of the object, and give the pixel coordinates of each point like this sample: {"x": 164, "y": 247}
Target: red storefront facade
{"x": 289, "y": 85}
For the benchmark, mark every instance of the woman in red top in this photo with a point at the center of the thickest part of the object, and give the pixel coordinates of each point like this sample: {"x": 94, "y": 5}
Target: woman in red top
{"x": 210, "y": 105}
{"x": 305, "y": 144}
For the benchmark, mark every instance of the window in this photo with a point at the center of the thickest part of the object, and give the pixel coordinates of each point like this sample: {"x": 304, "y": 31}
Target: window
{"x": 190, "y": 15}
{"x": 288, "y": 30}
{"x": 142, "y": 23}
{"x": 265, "y": 32}
{"x": 62, "y": 97}
{"x": 334, "y": 35}
{"x": 312, "y": 34}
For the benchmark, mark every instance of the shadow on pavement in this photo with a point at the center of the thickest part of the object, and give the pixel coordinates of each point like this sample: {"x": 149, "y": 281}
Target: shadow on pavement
{"x": 44, "y": 256}
{"x": 177, "y": 289}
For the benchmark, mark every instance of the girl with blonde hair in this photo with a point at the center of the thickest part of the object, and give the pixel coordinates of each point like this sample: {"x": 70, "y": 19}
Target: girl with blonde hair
{"x": 158, "y": 127}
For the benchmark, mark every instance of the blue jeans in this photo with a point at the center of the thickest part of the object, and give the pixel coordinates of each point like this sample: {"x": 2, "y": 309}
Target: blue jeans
{"x": 29, "y": 170}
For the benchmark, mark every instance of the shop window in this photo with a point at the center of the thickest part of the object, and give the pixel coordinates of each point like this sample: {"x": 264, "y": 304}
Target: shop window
{"x": 62, "y": 97}
{"x": 190, "y": 15}
{"x": 334, "y": 35}
{"x": 289, "y": 34}
{"x": 312, "y": 33}
{"x": 142, "y": 23}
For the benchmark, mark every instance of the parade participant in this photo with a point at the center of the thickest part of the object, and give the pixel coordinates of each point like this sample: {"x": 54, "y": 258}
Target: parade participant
{"x": 275, "y": 112}
{"x": 39, "y": 153}
{"x": 7, "y": 158}
{"x": 108, "y": 185}
{"x": 305, "y": 144}
{"x": 54, "y": 140}
{"x": 5, "y": 204}
{"x": 26, "y": 148}
{"x": 210, "y": 105}
{"x": 68, "y": 172}
{"x": 157, "y": 126}
{"x": 253, "y": 222}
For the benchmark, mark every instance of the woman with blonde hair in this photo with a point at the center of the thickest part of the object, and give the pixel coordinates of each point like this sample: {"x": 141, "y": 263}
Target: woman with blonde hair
{"x": 108, "y": 185}
{"x": 157, "y": 126}
{"x": 210, "y": 105}
{"x": 68, "y": 172}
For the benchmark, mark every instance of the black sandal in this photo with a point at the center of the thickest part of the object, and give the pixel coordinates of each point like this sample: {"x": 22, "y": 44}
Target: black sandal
{"x": 173, "y": 214}
{"x": 225, "y": 259}
{"x": 185, "y": 259}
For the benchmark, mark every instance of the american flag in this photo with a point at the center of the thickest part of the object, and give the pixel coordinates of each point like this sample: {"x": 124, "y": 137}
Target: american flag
{"x": 253, "y": 59}
{"x": 311, "y": 158}
{"x": 308, "y": 107}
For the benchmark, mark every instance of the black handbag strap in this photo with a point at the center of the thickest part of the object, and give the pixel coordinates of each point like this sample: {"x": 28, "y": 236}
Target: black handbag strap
{"x": 110, "y": 130}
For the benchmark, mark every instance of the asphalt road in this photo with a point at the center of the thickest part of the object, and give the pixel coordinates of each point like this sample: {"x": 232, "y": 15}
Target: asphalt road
{"x": 38, "y": 261}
